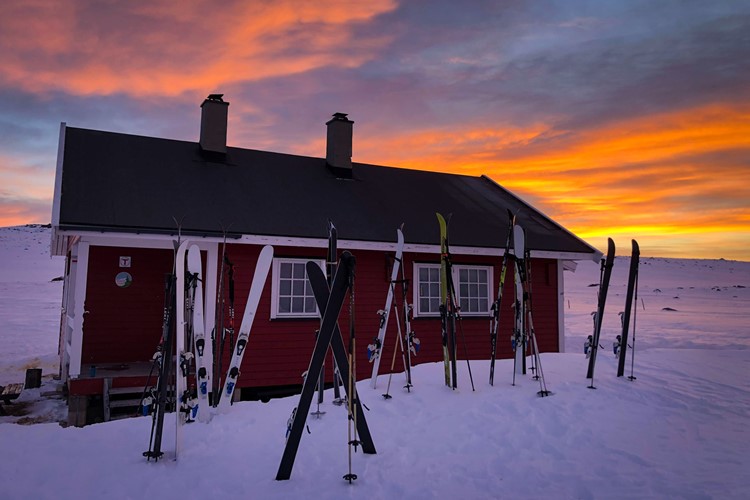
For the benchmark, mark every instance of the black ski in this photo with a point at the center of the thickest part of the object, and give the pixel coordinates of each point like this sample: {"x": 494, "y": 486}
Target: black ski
{"x": 605, "y": 274}
{"x": 323, "y": 297}
{"x": 632, "y": 286}
{"x": 330, "y": 272}
{"x": 412, "y": 342}
{"x": 494, "y": 324}
{"x": 164, "y": 358}
{"x": 330, "y": 305}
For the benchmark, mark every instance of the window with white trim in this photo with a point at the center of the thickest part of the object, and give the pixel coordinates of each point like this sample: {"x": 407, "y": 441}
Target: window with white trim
{"x": 291, "y": 293}
{"x": 427, "y": 300}
{"x": 472, "y": 283}
{"x": 473, "y": 289}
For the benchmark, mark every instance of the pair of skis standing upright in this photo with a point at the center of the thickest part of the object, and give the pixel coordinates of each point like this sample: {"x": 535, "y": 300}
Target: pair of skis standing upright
{"x": 621, "y": 344}
{"x": 523, "y": 338}
{"x": 406, "y": 341}
{"x": 330, "y": 295}
{"x": 449, "y": 318}
{"x": 183, "y": 315}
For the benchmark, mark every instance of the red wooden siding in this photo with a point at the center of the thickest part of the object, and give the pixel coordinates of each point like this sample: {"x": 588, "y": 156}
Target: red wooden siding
{"x": 279, "y": 350}
{"x": 124, "y": 325}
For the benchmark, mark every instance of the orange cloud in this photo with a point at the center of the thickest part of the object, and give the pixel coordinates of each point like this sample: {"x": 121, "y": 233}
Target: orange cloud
{"x": 167, "y": 47}
{"x": 673, "y": 181}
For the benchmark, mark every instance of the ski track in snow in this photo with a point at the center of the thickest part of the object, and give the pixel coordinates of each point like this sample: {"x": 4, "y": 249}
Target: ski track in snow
{"x": 678, "y": 431}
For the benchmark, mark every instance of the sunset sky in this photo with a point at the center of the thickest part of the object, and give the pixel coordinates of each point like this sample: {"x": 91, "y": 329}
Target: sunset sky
{"x": 627, "y": 119}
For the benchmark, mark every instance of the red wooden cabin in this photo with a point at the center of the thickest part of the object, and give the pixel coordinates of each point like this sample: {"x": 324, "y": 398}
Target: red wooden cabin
{"x": 117, "y": 197}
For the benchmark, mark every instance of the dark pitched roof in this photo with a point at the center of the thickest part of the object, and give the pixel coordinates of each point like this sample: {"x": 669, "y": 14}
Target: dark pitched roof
{"x": 113, "y": 181}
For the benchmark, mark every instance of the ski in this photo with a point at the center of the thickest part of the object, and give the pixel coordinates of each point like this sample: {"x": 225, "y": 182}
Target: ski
{"x": 374, "y": 350}
{"x": 632, "y": 288}
{"x": 530, "y": 331}
{"x": 444, "y": 298}
{"x": 518, "y": 340}
{"x": 163, "y": 358}
{"x": 329, "y": 304}
{"x": 202, "y": 350}
{"x": 454, "y": 317}
{"x": 495, "y": 321}
{"x": 184, "y": 399}
{"x": 256, "y": 289}
{"x": 330, "y": 273}
{"x": 412, "y": 342}
{"x": 604, "y": 276}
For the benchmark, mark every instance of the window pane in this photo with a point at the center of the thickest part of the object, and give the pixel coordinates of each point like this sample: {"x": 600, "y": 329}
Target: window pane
{"x": 464, "y": 305}
{"x": 285, "y": 287}
{"x": 482, "y": 290}
{"x": 464, "y": 290}
{"x": 483, "y": 305}
{"x": 424, "y": 274}
{"x": 308, "y": 288}
{"x": 434, "y": 305}
{"x": 424, "y": 289}
{"x": 473, "y": 275}
{"x": 463, "y": 275}
{"x": 298, "y": 304}
{"x": 285, "y": 270}
{"x": 298, "y": 287}
{"x": 310, "y": 304}
{"x": 299, "y": 270}
{"x": 435, "y": 290}
{"x": 474, "y": 305}
{"x": 473, "y": 290}
{"x": 424, "y": 304}
{"x": 434, "y": 274}
{"x": 482, "y": 275}
{"x": 285, "y": 305}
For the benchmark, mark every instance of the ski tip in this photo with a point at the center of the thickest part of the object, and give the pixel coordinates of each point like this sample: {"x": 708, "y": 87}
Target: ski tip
{"x": 348, "y": 260}
{"x": 266, "y": 252}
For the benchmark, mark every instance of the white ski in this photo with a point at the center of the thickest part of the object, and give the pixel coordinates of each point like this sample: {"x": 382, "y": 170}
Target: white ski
{"x": 256, "y": 289}
{"x": 180, "y": 375}
{"x": 386, "y": 311}
{"x": 202, "y": 350}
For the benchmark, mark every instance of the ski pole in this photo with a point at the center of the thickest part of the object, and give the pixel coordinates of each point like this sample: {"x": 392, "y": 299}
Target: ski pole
{"x": 387, "y": 394}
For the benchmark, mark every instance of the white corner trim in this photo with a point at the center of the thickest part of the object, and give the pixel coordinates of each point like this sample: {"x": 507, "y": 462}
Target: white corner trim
{"x": 79, "y": 310}
{"x": 560, "y": 306}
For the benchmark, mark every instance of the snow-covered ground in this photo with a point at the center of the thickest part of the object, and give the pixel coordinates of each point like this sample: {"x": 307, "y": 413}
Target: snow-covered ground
{"x": 679, "y": 431}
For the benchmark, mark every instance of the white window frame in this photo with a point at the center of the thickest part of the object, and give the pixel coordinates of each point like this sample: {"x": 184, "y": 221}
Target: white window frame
{"x": 456, "y": 268}
{"x": 276, "y": 288}
{"x": 416, "y": 300}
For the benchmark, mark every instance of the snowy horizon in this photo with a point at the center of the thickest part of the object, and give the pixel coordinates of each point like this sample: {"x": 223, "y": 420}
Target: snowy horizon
{"x": 621, "y": 252}
{"x": 678, "y": 431}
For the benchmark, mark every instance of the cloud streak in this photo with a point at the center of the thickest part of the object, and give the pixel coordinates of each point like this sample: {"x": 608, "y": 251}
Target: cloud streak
{"x": 167, "y": 48}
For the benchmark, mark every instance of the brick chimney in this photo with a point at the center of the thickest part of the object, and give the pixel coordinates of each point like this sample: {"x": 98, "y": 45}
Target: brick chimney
{"x": 339, "y": 145}
{"x": 214, "y": 113}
